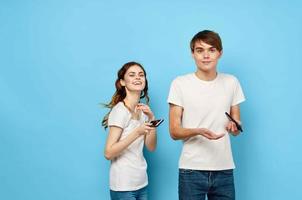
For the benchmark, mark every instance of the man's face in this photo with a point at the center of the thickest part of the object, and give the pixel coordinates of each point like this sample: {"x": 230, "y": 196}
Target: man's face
{"x": 206, "y": 56}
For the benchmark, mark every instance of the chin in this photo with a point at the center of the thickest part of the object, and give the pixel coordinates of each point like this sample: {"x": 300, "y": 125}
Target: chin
{"x": 208, "y": 69}
{"x": 137, "y": 89}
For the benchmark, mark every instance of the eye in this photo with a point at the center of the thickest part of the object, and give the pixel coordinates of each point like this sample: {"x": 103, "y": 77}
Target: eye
{"x": 213, "y": 50}
{"x": 131, "y": 75}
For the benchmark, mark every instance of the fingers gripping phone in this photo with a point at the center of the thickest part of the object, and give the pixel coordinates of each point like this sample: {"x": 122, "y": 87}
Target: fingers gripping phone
{"x": 233, "y": 120}
{"x": 156, "y": 122}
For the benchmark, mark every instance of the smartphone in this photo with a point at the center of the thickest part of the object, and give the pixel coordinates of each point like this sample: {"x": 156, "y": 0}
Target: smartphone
{"x": 237, "y": 124}
{"x": 156, "y": 122}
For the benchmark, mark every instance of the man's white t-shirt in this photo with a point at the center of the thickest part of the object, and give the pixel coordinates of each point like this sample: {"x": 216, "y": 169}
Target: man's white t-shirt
{"x": 204, "y": 105}
{"x": 128, "y": 170}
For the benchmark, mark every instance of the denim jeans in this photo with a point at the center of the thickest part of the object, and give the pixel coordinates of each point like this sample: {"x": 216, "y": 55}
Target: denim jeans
{"x": 141, "y": 194}
{"x": 197, "y": 184}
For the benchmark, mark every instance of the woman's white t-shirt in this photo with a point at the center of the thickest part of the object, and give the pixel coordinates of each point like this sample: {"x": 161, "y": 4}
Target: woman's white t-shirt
{"x": 128, "y": 171}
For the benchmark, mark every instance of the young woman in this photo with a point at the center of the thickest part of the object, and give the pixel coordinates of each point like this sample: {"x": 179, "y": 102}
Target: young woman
{"x": 129, "y": 131}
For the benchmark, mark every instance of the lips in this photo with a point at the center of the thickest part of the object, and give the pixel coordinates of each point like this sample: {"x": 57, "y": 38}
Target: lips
{"x": 206, "y": 62}
{"x": 137, "y": 83}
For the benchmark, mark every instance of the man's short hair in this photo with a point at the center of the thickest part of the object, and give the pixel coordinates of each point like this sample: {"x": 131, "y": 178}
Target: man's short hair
{"x": 209, "y": 37}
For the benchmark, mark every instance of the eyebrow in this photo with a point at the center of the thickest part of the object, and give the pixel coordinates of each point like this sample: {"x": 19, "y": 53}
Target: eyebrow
{"x": 134, "y": 73}
{"x": 197, "y": 48}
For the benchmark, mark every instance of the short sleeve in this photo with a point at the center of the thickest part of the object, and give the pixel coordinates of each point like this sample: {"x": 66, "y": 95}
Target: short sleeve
{"x": 119, "y": 116}
{"x": 238, "y": 96}
{"x": 175, "y": 94}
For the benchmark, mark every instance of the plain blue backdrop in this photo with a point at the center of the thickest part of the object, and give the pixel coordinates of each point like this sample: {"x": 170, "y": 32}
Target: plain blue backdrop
{"x": 58, "y": 61}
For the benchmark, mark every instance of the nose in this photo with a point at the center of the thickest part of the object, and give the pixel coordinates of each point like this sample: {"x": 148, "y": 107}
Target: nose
{"x": 206, "y": 54}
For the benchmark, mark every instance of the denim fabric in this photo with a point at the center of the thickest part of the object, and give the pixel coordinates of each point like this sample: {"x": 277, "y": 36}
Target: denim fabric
{"x": 141, "y": 194}
{"x": 197, "y": 184}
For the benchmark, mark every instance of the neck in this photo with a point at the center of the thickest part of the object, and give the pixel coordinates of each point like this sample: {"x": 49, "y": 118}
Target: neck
{"x": 131, "y": 100}
{"x": 206, "y": 76}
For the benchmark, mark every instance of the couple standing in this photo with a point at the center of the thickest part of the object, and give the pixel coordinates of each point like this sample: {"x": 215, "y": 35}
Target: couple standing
{"x": 198, "y": 102}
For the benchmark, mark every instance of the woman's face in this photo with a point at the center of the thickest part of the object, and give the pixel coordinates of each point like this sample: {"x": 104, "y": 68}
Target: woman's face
{"x": 134, "y": 79}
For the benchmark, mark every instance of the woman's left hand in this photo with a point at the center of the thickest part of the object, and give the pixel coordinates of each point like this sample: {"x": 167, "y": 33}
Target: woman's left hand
{"x": 146, "y": 110}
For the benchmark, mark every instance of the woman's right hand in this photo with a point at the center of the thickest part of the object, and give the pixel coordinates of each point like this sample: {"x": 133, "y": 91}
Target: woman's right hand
{"x": 144, "y": 129}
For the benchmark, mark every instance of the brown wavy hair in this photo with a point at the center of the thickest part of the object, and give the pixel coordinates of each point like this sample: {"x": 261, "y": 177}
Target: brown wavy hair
{"x": 209, "y": 37}
{"x": 120, "y": 93}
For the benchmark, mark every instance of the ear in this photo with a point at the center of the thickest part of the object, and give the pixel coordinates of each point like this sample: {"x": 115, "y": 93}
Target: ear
{"x": 122, "y": 82}
{"x": 192, "y": 54}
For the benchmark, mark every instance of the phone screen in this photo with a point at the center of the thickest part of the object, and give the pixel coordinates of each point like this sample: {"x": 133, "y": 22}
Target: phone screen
{"x": 156, "y": 122}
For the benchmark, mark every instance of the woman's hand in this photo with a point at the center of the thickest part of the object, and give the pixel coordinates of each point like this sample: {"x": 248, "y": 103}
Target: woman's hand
{"x": 146, "y": 110}
{"x": 144, "y": 129}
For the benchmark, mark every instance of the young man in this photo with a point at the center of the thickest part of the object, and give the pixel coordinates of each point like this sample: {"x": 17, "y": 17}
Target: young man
{"x": 198, "y": 102}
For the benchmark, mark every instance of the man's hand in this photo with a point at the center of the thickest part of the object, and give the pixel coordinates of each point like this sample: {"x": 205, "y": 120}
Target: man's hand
{"x": 210, "y": 135}
{"x": 232, "y": 128}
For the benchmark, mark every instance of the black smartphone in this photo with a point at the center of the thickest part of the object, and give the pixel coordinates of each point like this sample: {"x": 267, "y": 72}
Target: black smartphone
{"x": 156, "y": 122}
{"x": 231, "y": 119}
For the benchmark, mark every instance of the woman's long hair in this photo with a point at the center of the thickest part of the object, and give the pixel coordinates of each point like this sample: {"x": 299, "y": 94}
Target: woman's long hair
{"x": 120, "y": 92}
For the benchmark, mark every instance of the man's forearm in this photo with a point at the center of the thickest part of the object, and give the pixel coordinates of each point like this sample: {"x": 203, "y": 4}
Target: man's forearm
{"x": 183, "y": 133}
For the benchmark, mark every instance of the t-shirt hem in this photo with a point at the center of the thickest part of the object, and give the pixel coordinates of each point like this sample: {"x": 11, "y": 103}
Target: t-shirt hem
{"x": 208, "y": 168}
{"x": 175, "y": 103}
{"x": 129, "y": 188}
{"x": 116, "y": 125}
{"x": 238, "y": 102}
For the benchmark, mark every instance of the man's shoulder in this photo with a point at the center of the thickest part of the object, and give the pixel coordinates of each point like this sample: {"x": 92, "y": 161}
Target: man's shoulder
{"x": 184, "y": 77}
{"x": 227, "y": 77}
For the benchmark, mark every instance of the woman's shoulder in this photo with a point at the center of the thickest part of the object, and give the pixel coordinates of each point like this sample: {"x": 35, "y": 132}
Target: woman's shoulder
{"x": 120, "y": 108}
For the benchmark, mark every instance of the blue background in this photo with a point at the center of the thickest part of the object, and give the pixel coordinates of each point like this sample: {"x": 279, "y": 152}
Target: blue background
{"x": 59, "y": 61}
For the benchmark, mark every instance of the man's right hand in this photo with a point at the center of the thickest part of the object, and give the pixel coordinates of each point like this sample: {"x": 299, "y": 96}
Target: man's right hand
{"x": 210, "y": 134}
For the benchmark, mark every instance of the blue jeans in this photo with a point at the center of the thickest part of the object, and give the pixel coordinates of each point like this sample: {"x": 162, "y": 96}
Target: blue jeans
{"x": 141, "y": 194}
{"x": 197, "y": 184}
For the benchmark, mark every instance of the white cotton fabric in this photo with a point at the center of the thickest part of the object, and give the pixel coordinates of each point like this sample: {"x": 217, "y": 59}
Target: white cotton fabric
{"x": 128, "y": 170}
{"x": 204, "y": 105}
